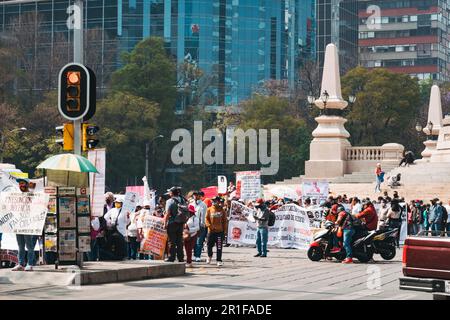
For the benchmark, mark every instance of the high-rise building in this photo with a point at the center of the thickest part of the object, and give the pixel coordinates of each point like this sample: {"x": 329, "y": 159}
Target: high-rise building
{"x": 337, "y": 22}
{"x": 238, "y": 43}
{"x": 405, "y": 36}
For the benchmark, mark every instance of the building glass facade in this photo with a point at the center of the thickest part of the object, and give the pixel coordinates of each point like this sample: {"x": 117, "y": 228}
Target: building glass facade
{"x": 409, "y": 37}
{"x": 337, "y": 22}
{"x": 240, "y": 43}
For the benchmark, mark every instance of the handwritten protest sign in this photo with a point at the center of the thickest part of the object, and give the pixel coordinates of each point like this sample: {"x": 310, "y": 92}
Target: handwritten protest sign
{"x": 155, "y": 236}
{"x": 23, "y": 213}
{"x": 248, "y": 185}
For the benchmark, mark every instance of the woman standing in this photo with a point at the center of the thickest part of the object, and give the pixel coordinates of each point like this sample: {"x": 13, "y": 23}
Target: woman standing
{"x": 190, "y": 233}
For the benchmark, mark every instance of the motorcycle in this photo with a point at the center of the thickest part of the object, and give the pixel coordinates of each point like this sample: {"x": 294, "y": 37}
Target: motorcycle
{"x": 321, "y": 247}
{"x": 384, "y": 243}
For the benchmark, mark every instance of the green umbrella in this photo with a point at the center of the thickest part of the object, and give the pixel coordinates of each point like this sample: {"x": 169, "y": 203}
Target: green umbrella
{"x": 68, "y": 162}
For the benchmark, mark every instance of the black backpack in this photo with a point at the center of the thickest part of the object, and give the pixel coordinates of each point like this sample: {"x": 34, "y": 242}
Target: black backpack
{"x": 182, "y": 212}
{"x": 272, "y": 218}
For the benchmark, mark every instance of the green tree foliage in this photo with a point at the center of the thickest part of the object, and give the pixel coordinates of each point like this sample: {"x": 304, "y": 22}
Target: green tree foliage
{"x": 386, "y": 107}
{"x": 271, "y": 112}
{"x": 126, "y": 123}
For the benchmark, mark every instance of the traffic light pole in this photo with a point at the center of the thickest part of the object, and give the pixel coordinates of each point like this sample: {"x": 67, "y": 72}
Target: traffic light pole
{"x": 78, "y": 57}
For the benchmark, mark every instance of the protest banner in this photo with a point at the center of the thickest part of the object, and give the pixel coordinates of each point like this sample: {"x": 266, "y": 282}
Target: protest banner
{"x": 317, "y": 191}
{"x": 292, "y": 227}
{"x": 97, "y": 181}
{"x": 248, "y": 185}
{"x": 138, "y": 189}
{"x": 23, "y": 213}
{"x": 155, "y": 236}
{"x": 222, "y": 184}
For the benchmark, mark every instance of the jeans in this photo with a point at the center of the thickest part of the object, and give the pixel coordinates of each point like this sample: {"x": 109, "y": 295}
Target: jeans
{"x": 175, "y": 240}
{"x": 133, "y": 248}
{"x": 215, "y": 238}
{"x": 93, "y": 255}
{"x": 200, "y": 240}
{"x": 189, "y": 245}
{"x": 448, "y": 230}
{"x": 436, "y": 228}
{"x": 348, "y": 235}
{"x": 262, "y": 235}
{"x": 378, "y": 186}
{"x": 29, "y": 242}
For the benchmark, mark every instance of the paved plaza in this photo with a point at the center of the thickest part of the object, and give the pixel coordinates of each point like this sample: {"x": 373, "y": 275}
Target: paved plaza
{"x": 285, "y": 274}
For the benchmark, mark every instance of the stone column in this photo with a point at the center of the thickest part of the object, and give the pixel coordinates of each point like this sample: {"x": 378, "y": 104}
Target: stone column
{"x": 328, "y": 148}
{"x": 435, "y": 116}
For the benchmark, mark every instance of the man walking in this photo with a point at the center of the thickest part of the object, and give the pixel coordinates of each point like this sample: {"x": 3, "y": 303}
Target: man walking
{"x": 200, "y": 212}
{"x": 216, "y": 221}
{"x": 262, "y": 233}
{"x": 174, "y": 228}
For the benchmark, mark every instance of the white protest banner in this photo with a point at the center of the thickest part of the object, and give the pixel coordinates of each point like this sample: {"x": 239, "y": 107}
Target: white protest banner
{"x": 248, "y": 185}
{"x": 130, "y": 202}
{"x": 97, "y": 181}
{"x": 404, "y": 227}
{"x": 315, "y": 190}
{"x": 222, "y": 184}
{"x": 292, "y": 227}
{"x": 8, "y": 183}
{"x": 23, "y": 213}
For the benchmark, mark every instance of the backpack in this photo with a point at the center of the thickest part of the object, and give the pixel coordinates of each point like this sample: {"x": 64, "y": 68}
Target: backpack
{"x": 272, "y": 218}
{"x": 182, "y": 215}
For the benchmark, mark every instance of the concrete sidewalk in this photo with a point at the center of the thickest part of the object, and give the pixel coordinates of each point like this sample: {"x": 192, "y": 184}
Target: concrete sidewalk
{"x": 94, "y": 273}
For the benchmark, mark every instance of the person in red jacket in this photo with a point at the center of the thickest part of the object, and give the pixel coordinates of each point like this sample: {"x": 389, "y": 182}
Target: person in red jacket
{"x": 369, "y": 215}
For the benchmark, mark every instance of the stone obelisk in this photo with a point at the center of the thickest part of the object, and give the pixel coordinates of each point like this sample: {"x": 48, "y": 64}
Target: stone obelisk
{"x": 328, "y": 148}
{"x": 435, "y": 117}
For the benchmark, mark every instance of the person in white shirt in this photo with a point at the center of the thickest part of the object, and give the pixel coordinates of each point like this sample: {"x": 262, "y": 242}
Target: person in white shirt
{"x": 132, "y": 233}
{"x": 190, "y": 233}
{"x": 116, "y": 217}
{"x": 356, "y": 206}
{"x": 200, "y": 212}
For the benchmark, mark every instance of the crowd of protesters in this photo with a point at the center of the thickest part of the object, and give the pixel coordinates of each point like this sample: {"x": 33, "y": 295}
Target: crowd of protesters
{"x": 117, "y": 235}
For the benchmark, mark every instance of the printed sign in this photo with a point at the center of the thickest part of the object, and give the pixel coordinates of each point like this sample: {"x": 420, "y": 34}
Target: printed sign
{"x": 222, "y": 184}
{"x": 315, "y": 190}
{"x": 23, "y": 213}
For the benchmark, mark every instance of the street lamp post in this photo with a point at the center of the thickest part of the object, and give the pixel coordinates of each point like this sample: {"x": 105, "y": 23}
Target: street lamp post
{"x": 325, "y": 96}
{"x": 3, "y": 140}
{"x": 430, "y": 130}
{"x": 147, "y": 149}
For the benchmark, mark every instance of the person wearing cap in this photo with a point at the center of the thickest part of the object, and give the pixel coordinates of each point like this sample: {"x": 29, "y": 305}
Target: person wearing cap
{"x": 26, "y": 243}
{"x": 217, "y": 223}
{"x": 191, "y": 229}
{"x": 261, "y": 216}
{"x": 116, "y": 220}
{"x": 174, "y": 228}
{"x": 435, "y": 217}
{"x": 200, "y": 212}
{"x": 109, "y": 202}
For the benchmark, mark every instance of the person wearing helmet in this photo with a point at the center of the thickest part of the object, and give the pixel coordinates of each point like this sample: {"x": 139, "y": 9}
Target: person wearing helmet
{"x": 345, "y": 221}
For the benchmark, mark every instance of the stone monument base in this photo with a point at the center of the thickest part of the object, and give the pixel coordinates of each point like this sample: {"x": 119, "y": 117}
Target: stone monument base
{"x": 319, "y": 169}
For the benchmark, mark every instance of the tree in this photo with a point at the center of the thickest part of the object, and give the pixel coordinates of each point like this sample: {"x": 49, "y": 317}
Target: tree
{"x": 127, "y": 122}
{"x": 150, "y": 74}
{"x": 262, "y": 112}
{"x": 386, "y": 106}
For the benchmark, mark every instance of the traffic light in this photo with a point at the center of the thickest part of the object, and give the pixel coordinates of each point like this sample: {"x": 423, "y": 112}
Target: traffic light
{"x": 89, "y": 139}
{"x": 76, "y": 92}
{"x": 66, "y": 131}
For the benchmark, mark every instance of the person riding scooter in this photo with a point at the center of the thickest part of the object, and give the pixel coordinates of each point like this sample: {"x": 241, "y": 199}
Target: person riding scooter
{"x": 345, "y": 223}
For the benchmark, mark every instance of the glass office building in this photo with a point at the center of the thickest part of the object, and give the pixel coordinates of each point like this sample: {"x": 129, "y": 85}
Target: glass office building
{"x": 337, "y": 22}
{"x": 239, "y": 43}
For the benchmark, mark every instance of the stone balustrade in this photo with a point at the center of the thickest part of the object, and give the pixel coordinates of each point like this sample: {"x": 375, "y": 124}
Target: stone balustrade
{"x": 387, "y": 152}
